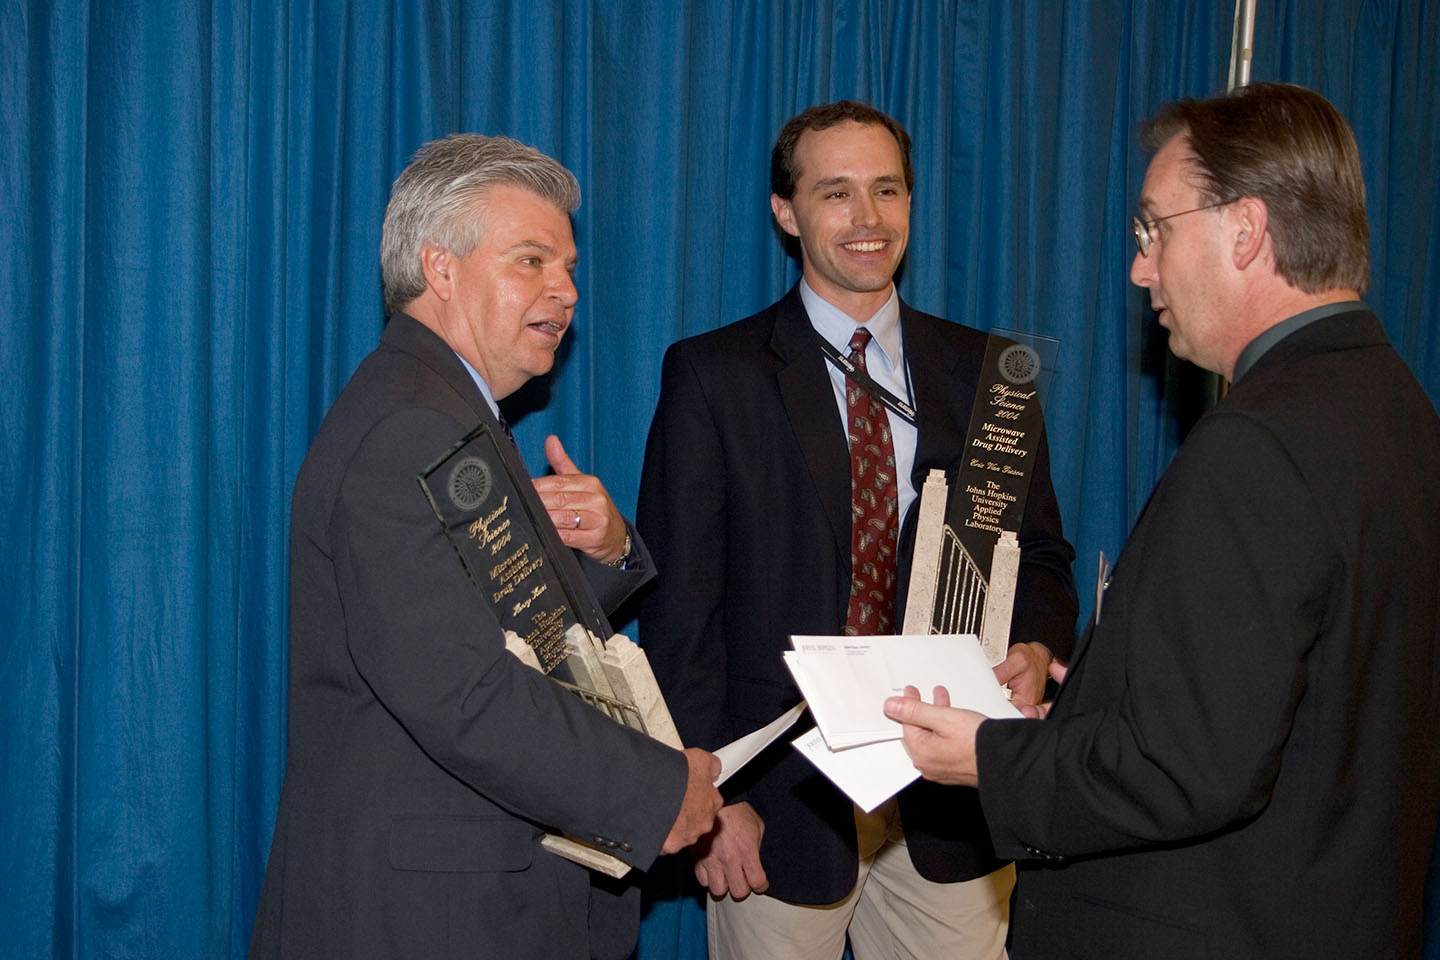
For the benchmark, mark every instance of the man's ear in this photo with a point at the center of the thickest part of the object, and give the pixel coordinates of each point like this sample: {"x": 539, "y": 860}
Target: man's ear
{"x": 784, "y": 214}
{"x": 438, "y": 266}
{"x": 1251, "y": 220}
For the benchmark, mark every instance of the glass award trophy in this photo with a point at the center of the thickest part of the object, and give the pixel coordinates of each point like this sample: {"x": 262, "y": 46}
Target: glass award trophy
{"x": 486, "y": 504}
{"x": 967, "y": 551}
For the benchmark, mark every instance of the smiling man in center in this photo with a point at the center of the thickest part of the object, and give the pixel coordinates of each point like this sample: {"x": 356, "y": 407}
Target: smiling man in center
{"x": 776, "y": 498}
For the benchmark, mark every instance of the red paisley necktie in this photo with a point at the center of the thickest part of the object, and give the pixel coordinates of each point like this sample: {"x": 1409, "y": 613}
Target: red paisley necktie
{"x": 874, "y": 502}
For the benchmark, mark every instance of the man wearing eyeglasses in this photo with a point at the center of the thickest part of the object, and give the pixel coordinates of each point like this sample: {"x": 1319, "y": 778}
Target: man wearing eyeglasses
{"x": 1241, "y": 759}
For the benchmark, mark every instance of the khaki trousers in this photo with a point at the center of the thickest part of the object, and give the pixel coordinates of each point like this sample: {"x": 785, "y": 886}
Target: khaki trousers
{"x": 892, "y": 913}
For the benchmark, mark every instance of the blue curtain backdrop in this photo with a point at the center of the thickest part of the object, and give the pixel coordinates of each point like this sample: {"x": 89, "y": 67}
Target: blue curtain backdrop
{"x": 190, "y": 205}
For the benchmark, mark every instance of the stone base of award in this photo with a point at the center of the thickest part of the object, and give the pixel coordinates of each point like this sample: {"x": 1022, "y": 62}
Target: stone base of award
{"x": 992, "y": 598}
{"x": 967, "y": 552}
{"x": 632, "y": 698}
{"x": 486, "y": 505}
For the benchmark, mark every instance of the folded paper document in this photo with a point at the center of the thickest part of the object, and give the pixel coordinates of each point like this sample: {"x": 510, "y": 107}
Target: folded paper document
{"x": 846, "y": 680}
{"x": 737, "y": 753}
{"x": 869, "y": 775}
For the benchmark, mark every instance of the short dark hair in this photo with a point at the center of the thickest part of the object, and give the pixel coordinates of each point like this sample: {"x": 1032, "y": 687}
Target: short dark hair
{"x": 782, "y": 158}
{"x": 1289, "y": 147}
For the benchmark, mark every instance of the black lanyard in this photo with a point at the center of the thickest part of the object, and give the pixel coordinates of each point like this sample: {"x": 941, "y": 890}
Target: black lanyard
{"x": 867, "y": 383}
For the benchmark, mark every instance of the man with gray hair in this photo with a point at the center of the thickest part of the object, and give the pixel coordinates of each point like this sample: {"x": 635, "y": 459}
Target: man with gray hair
{"x": 425, "y": 761}
{"x": 1241, "y": 759}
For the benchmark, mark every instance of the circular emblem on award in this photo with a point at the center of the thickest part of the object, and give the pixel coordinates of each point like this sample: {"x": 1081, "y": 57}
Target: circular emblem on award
{"x": 469, "y": 483}
{"x": 1018, "y": 363}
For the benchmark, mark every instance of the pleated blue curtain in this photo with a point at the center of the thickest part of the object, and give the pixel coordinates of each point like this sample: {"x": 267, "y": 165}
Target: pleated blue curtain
{"x": 190, "y": 205}
{"x": 144, "y": 413}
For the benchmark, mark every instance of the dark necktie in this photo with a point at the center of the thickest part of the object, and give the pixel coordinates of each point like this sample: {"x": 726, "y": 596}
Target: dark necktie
{"x": 874, "y": 503}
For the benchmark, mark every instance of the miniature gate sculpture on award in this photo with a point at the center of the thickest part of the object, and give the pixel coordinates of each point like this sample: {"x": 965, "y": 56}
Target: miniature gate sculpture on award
{"x": 484, "y": 499}
{"x": 967, "y": 548}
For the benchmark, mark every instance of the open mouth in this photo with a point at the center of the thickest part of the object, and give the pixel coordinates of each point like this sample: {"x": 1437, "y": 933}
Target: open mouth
{"x": 552, "y": 328}
{"x": 866, "y": 246}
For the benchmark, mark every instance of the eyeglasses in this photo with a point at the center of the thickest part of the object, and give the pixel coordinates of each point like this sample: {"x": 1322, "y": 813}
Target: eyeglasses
{"x": 1141, "y": 228}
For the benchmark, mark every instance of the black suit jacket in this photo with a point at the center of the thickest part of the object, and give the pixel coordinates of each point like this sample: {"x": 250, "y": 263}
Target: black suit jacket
{"x": 1243, "y": 759}
{"x": 745, "y": 499}
{"x": 424, "y": 760}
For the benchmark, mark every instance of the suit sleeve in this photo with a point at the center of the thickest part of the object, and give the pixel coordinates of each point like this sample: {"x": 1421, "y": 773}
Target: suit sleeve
{"x": 423, "y": 639}
{"x": 682, "y": 515}
{"x": 614, "y": 585}
{"x": 1196, "y": 667}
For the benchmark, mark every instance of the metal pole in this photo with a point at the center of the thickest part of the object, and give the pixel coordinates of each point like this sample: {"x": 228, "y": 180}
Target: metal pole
{"x": 1242, "y": 44}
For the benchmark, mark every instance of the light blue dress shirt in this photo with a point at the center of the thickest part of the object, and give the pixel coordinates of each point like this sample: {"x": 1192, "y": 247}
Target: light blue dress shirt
{"x": 484, "y": 387}
{"x": 884, "y": 361}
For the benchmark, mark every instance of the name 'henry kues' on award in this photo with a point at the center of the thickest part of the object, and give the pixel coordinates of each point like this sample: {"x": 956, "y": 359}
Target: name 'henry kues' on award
{"x": 487, "y": 505}
{"x": 967, "y": 551}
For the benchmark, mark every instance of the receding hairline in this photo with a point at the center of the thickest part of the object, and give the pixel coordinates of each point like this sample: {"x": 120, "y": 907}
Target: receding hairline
{"x": 1191, "y": 170}
{"x": 898, "y": 176}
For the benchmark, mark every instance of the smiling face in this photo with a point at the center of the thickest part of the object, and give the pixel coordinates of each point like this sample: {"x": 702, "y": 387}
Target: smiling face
{"x": 510, "y": 300}
{"x": 851, "y": 213}
{"x": 1185, "y": 270}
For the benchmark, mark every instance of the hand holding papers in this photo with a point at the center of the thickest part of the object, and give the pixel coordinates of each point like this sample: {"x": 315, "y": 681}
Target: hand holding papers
{"x": 846, "y": 681}
{"x": 939, "y": 740}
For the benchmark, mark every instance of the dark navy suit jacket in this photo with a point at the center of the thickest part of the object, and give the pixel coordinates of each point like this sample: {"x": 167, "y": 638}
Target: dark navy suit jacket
{"x": 745, "y": 500}
{"x": 424, "y": 759}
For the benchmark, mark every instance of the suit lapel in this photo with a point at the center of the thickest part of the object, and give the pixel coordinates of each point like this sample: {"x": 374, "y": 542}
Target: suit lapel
{"x": 939, "y": 387}
{"x": 809, "y": 401}
{"x": 409, "y": 335}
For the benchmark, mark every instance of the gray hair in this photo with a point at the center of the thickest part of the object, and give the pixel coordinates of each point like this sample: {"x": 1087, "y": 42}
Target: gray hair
{"x": 433, "y": 202}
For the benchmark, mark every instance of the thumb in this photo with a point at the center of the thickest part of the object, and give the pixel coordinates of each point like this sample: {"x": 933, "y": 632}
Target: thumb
{"x": 558, "y": 459}
{"x": 901, "y": 708}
